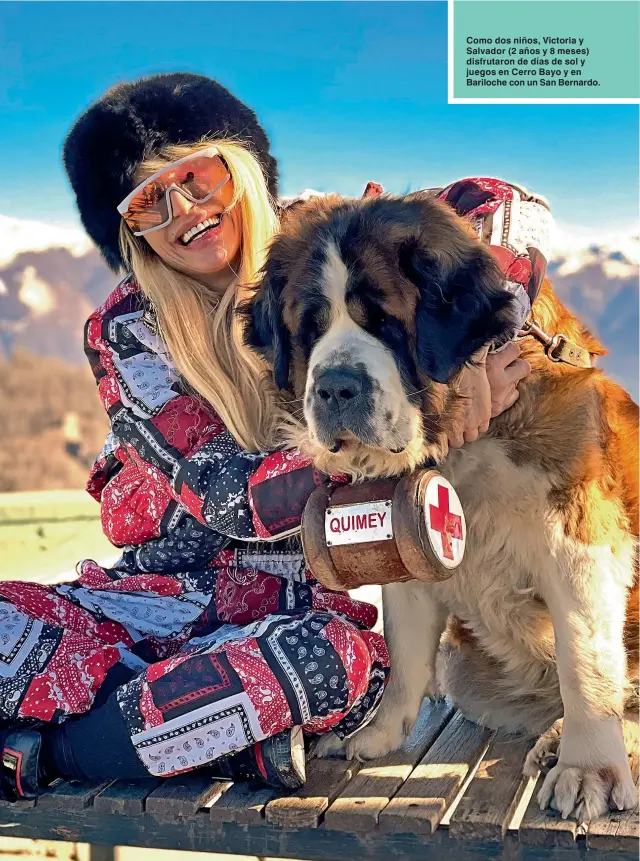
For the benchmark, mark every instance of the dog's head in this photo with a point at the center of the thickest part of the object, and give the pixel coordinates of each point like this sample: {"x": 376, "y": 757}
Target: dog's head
{"x": 367, "y": 310}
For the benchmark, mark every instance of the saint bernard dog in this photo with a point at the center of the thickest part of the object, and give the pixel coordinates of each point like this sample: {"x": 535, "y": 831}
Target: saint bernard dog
{"x": 367, "y": 311}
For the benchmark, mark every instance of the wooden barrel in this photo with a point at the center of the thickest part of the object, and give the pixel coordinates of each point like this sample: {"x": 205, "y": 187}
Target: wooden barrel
{"x": 384, "y": 531}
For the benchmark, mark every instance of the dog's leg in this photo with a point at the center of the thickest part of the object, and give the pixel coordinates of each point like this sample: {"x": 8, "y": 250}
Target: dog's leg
{"x": 413, "y": 624}
{"x": 586, "y": 595}
{"x": 544, "y": 754}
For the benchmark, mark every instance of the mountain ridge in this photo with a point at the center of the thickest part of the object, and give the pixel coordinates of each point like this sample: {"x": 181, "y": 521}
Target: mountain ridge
{"x": 48, "y": 291}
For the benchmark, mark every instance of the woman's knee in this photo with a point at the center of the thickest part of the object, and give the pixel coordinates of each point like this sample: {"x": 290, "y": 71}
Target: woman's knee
{"x": 337, "y": 669}
{"x": 317, "y": 665}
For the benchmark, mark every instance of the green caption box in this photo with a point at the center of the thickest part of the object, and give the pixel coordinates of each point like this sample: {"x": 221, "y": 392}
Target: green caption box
{"x": 532, "y": 49}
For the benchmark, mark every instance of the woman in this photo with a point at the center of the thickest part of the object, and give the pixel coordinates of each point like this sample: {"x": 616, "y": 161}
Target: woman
{"x": 207, "y": 644}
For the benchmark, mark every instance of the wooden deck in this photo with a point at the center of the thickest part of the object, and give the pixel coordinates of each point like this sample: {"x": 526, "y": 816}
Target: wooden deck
{"x": 454, "y": 791}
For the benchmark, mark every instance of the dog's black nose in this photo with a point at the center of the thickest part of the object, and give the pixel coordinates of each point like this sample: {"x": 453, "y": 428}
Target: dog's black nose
{"x": 338, "y": 389}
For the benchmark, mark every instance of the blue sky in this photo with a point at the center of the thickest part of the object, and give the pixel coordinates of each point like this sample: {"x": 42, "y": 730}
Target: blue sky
{"x": 348, "y": 92}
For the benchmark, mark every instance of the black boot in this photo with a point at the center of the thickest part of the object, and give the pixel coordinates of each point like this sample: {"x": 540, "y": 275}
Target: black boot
{"x": 277, "y": 761}
{"x": 22, "y": 774}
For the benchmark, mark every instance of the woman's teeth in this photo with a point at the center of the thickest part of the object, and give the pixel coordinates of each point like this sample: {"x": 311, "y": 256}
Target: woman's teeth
{"x": 200, "y": 228}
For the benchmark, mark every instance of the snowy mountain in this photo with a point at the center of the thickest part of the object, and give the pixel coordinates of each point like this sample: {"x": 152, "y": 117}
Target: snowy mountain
{"x": 597, "y": 277}
{"x": 51, "y": 278}
{"x": 45, "y": 299}
{"x": 18, "y": 235}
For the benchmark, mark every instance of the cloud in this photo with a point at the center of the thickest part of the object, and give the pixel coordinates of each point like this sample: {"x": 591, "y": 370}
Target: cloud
{"x": 35, "y": 293}
{"x": 18, "y": 235}
{"x": 617, "y": 250}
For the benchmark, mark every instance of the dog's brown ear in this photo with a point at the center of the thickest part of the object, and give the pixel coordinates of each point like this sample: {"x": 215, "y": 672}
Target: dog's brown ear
{"x": 264, "y": 328}
{"x": 462, "y": 305}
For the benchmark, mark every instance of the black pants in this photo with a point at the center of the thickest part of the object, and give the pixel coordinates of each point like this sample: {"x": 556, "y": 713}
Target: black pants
{"x": 96, "y": 745}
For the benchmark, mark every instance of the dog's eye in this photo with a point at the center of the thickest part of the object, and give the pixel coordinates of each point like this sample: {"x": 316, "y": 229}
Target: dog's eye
{"x": 394, "y": 334}
{"x": 367, "y": 305}
{"x": 357, "y": 312}
{"x": 313, "y": 324}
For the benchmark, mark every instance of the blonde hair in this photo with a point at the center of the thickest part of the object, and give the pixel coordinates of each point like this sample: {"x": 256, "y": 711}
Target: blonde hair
{"x": 199, "y": 325}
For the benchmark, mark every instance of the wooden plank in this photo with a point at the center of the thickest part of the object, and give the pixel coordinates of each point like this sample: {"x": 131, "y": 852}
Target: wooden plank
{"x": 545, "y": 827}
{"x": 100, "y": 852}
{"x": 125, "y": 796}
{"x": 326, "y": 779}
{"x": 67, "y": 795}
{"x": 22, "y": 803}
{"x": 265, "y": 841}
{"x": 182, "y": 796}
{"x": 422, "y": 800}
{"x": 486, "y": 808}
{"x": 360, "y": 805}
{"x": 617, "y": 832}
{"x": 243, "y": 804}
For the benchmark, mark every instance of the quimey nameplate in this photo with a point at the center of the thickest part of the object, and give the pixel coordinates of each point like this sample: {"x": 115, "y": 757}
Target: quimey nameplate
{"x": 359, "y": 523}
{"x": 384, "y": 531}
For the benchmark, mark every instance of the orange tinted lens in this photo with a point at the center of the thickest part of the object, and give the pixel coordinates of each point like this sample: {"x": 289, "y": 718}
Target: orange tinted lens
{"x": 198, "y": 177}
{"x": 148, "y": 208}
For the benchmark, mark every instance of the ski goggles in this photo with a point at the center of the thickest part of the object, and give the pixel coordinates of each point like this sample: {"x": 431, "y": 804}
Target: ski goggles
{"x": 197, "y": 177}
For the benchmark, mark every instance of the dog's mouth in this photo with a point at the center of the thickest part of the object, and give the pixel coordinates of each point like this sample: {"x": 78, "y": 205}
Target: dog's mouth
{"x": 348, "y": 442}
{"x": 363, "y": 427}
{"x": 343, "y": 441}
{"x": 406, "y": 445}
{"x": 338, "y": 445}
{"x": 393, "y": 449}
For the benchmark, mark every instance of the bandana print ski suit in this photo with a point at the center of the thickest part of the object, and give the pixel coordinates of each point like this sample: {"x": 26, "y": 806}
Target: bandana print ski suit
{"x": 210, "y": 600}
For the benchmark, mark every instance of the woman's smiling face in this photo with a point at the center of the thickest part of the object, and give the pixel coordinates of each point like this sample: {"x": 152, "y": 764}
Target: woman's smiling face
{"x": 203, "y": 238}
{"x": 211, "y": 255}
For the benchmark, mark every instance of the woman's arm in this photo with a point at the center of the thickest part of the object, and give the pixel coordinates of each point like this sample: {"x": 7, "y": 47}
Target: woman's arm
{"x": 179, "y": 447}
{"x": 516, "y": 226}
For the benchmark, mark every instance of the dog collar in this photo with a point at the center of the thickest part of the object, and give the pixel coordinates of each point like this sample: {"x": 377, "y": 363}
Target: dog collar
{"x": 558, "y": 347}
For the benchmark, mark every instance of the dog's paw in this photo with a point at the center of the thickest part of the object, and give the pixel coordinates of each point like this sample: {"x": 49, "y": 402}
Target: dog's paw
{"x": 329, "y": 746}
{"x": 374, "y": 741}
{"x": 370, "y": 742}
{"x": 433, "y": 689}
{"x": 588, "y": 792}
{"x": 544, "y": 754}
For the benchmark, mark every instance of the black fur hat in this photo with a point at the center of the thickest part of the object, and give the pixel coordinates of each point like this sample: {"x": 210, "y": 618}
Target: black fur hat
{"x": 132, "y": 121}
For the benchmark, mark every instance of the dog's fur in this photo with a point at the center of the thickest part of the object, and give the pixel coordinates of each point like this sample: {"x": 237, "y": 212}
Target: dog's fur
{"x": 367, "y": 312}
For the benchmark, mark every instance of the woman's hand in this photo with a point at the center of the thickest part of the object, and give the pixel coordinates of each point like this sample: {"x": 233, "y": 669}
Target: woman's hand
{"x": 488, "y": 386}
{"x": 505, "y": 369}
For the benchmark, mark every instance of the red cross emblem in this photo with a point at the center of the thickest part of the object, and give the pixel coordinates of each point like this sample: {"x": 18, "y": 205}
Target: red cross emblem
{"x": 446, "y": 522}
